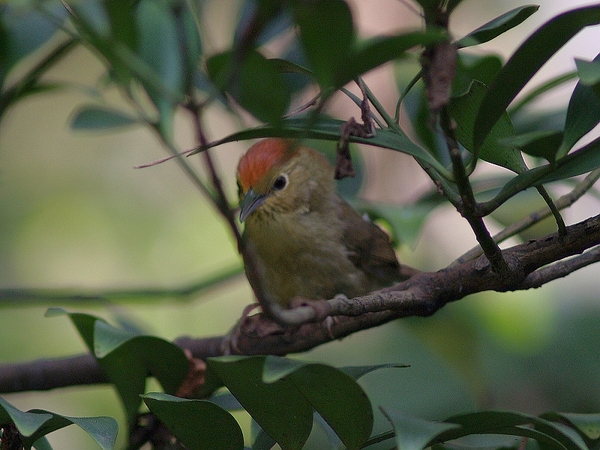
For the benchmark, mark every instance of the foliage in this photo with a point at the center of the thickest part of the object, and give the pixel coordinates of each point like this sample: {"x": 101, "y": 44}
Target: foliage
{"x": 160, "y": 67}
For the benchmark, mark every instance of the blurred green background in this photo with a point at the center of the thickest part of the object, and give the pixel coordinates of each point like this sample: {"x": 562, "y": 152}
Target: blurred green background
{"x": 74, "y": 214}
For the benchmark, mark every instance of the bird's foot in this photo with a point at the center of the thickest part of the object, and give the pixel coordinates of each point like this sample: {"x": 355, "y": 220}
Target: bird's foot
{"x": 321, "y": 309}
{"x": 253, "y": 326}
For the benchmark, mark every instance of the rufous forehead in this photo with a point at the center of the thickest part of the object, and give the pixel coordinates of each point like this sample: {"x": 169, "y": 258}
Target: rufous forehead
{"x": 259, "y": 159}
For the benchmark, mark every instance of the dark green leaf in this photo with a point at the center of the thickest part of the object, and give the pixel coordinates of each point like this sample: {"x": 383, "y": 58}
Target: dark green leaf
{"x": 583, "y": 113}
{"x": 339, "y": 400}
{"x": 272, "y": 21}
{"x": 472, "y": 67}
{"x": 121, "y": 16}
{"x": 26, "y": 422}
{"x": 23, "y": 30}
{"x": 499, "y": 25}
{"x": 406, "y": 222}
{"x": 413, "y": 433}
{"x": 198, "y": 424}
{"x": 589, "y": 71}
{"x": 285, "y": 66}
{"x": 263, "y": 441}
{"x": 279, "y": 408}
{"x": 255, "y": 83}
{"x": 534, "y": 94}
{"x": 36, "y": 423}
{"x": 588, "y": 425}
{"x": 463, "y": 110}
{"x": 99, "y": 118}
{"x": 514, "y": 423}
{"x": 577, "y": 163}
{"x": 525, "y": 62}
{"x": 128, "y": 359}
{"x": 192, "y": 44}
{"x": 159, "y": 48}
{"x": 544, "y": 143}
{"x": 42, "y": 444}
{"x": 327, "y": 36}
{"x": 378, "y": 51}
{"x": 358, "y": 372}
{"x": 103, "y": 430}
{"x": 328, "y": 129}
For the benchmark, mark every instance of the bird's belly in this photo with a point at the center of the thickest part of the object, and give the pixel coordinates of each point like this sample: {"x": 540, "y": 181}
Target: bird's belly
{"x": 313, "y": 275}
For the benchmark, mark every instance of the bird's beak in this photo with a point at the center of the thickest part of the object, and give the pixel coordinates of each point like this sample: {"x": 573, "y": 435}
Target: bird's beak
{"x": 250, "y": 202}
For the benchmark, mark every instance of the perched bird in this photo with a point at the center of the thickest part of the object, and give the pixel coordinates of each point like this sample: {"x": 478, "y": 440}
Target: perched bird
{"x": 307, "y": 240}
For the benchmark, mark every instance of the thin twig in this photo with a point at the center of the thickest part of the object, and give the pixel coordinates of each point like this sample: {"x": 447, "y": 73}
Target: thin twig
{"x": 29, "y": 296}
{"x": 468, "y": 206}
{"x": 422, "y": 295}
{"x": 560, "y": 223}
{"x": 563, "y": 202}
{"x": 561, "y": 269}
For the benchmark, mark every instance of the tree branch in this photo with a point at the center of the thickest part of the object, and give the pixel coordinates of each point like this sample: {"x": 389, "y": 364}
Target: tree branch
{"x": 531, "y": 265}
{"x": 563, "y": 202}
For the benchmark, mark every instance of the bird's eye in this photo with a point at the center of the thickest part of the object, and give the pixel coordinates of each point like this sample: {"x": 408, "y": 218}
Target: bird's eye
{"x": 280, "y": 182}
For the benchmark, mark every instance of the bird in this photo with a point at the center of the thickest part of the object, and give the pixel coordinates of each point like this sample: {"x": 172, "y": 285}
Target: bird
{"x": 307, "y": 241}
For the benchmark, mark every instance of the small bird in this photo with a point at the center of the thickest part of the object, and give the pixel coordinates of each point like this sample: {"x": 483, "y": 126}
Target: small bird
{"x": 308, "y": 242}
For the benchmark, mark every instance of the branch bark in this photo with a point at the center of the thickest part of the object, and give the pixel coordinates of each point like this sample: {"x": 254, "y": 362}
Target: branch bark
{"x": 531, "y": 265}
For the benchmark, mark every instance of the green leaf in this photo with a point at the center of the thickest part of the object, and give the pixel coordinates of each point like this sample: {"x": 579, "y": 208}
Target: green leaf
{"x": 582, "y": 161}
{"x": 285, "y": 66}
{"x": 27, "y": 423}
{"x": 516, "y": 424}
{"x": 255, "y": 83}
{"x": 589, "y": 71}
{"x": 525, "y": 62}
{"x": 576, "y": 163}
{"x": 380, "y": 50}
{"x": 331, "y": 392}
{"x": 23, "y": 30}
{"x": 36, "y": 423}
{"x": 463, "y": 110}
{"x": 543, "y": 143}
{"x": 470, "y": 67}
{"x": 588, "y": 425}
{"x": 358, "y": 372}
{"x": 198, "y": 424}
{"x": 279, "y": 408}
{"x": 327, "y": 35}
{"x": 191, "y": 41}
{"x": 159, "y": 47}
{"x": 128, "y": 359}
{"x": 100, "y": 118}
{"x": 42, "y": 444}
{"x": 406, "y": 222}
{"x": 413, "y": 433}
{"x": 583, "y": 113}
{"x": 103, "y": 430}
{"x": 327, "y": 129}
{"x": 497, "y": 26}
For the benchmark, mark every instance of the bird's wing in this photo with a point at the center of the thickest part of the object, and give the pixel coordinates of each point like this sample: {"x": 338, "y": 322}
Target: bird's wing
{"x": 369, "y": 248}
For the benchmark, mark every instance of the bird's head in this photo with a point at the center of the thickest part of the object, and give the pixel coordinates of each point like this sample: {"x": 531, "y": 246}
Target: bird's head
{"x": 278, "y": 176}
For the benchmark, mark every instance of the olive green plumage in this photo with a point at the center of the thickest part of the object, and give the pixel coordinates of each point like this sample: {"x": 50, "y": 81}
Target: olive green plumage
{"x": 308, "y": 241}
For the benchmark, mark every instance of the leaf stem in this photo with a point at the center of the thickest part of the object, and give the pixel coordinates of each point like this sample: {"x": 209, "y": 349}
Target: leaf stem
{"x": 468, "y": 206}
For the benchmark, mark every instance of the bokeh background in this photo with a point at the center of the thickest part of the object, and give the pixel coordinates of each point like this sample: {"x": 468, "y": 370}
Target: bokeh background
{"x": 76, "y": 215}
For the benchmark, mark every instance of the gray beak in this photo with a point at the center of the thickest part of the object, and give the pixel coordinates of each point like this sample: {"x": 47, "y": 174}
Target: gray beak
{"x": 249, "y": 203}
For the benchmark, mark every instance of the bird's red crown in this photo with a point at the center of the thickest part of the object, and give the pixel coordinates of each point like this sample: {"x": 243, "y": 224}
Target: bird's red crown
{"x": 260, "y": 158}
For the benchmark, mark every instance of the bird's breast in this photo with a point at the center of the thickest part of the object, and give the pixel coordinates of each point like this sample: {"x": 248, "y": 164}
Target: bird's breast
{"x": 303, "y": 256}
